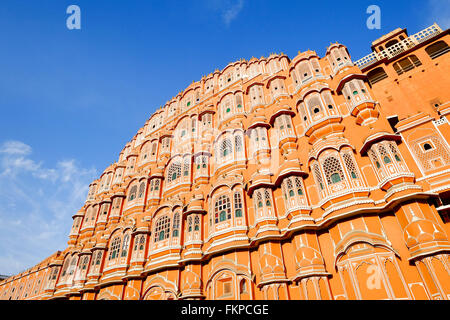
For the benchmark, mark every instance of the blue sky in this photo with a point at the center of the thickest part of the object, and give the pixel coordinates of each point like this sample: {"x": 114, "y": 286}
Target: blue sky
{"x": 71, "y": 99}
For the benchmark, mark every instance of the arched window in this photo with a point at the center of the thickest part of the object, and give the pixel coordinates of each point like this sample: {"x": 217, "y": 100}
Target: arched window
{"x": 237, "y": 205}
{"x": 99, "y": 258}
{"x": 391, "y": 43}
{"x": 174, "y": 171}
{"x": 314, "y": 104}
{"x": 406, "y": 64}
{"x": 162, "y": 228}
{"x": 141, "y": 190}
{"x": 333, "y": 170}
{"x": 154, "y": 146}
{"x": 145, "y": 152}
{"x": 243, "y": 286}
{"x": 262, "y": 200}
{"x": 114, "y": 248}
{"x": 298, "y": 186}
{"x": 189, "y": 224}
{"x": 65, "y": 267}
{"x": 186, "y": 166}
{"x": 226, "y": 148}
{"x": 196, "y": 223}
{"x": 394, "y": 151}
{"x": 376, "y": 75}
{"x": 292, "y": 188}
{"x": 176, "y": 225}
{"x": 84, "y": 263}
{"x": 350, "y": 165}
{"x": 437, "y": 49}
{"x": 132, "y": 194}
{"x": 239, "y": 104}
{"x": 238, "y": 143}
{"x": 267, "y": 198}
{"x": 384, "y": 154}
{"x": 193, "y": 124}
{"x": 222, "y": 209}
{"x": 259, "y": 200}
{"x": 126, "y": 244}
{"x": 142, "y": 243}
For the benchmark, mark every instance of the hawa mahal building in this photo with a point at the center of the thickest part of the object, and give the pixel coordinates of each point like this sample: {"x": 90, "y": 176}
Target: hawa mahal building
{"x": 276, "y": 178}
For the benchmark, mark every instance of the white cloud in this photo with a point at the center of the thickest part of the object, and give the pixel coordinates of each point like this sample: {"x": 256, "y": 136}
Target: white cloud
{"x": 15, "y": 147}
{"x": 36, "y": 205}
{"x": 228, "y": 9}
{"x": 232, "y": 12}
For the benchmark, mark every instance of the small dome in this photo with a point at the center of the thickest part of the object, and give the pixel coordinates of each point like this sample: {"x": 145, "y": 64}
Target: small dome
{"x": 307, "y": 256}
{"x": 421, "y": 231}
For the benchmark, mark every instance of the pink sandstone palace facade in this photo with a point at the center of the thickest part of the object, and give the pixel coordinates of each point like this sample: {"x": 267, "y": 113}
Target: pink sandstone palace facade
{"x": 276, "y": 178}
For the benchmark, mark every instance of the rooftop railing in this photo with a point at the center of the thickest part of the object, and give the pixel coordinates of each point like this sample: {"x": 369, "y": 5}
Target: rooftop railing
{"x": 399, "y": 47}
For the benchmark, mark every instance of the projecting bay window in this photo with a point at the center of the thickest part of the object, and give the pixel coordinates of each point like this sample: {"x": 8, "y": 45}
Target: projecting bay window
{"x": 116, "y": 206}
{"x": 277, "y": 88}
{"x": 201, "y": 166}
{"x": 386, "y": 159}
{"x": 260, "y": 140}
{"x": 165, "y": 145}
{"x": 293, "y": 193}
{"x": 283, "y": 126}
{"x": 336, "y": 172}
{"x": 118, "y": 175}
{"x": 263, "y": 204}
{"x": 339, "y": 58}
{"x": 130, "y": 169}
{"x": 256, "y": 95}
{"x": 356, "y": 93}
{"x": 154, "y": 190}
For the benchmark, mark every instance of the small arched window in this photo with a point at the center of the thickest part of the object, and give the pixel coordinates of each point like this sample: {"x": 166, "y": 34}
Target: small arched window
{"x": 84, "y": 263}
{"x": 384, "y": 154}
{"x": 259, "y": 201}
{"x": 226, "y": 148}
{"x": 99, "y": 258}
{"x": 174, "y": 172}
{"x": 437, "y": 49}
{"x": 189, "y": 223}
{"x": 114, "y": 249}
{"x": 267, "y": 198}
{"x": 376, "y": 75}
{"x": 196, "y": 223}
{"x": 176, "y": 225}
{"x": 132, "y": 194}
{"x": 243, "y": 286}
{"x": 142, "y": 243}
{"x": 238, "y": 143}
{"x": 125, "y": 245}
{"x": 350, "y": 165}
{"x": 406, "y": 64}
{"x": 162, "y": 228}
{"x": 237, "y": 205}
{"x": 298, "y": 186}
{"x": 141, "y": 190}
{"x": 222, "y": 209}
{"x": 333, "y": 170}
{"x": 391, "y": 43}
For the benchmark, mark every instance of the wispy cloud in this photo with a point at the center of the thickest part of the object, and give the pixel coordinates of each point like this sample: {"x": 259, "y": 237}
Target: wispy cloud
{"x": 36, "y": 205}
{"x": 232, "y": 12}
{"x": 228, "y": 9}
{"x": 439, "y": 13}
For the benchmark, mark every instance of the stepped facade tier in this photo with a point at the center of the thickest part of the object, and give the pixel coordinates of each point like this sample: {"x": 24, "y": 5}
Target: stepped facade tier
{"x": 275, "y": 178}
